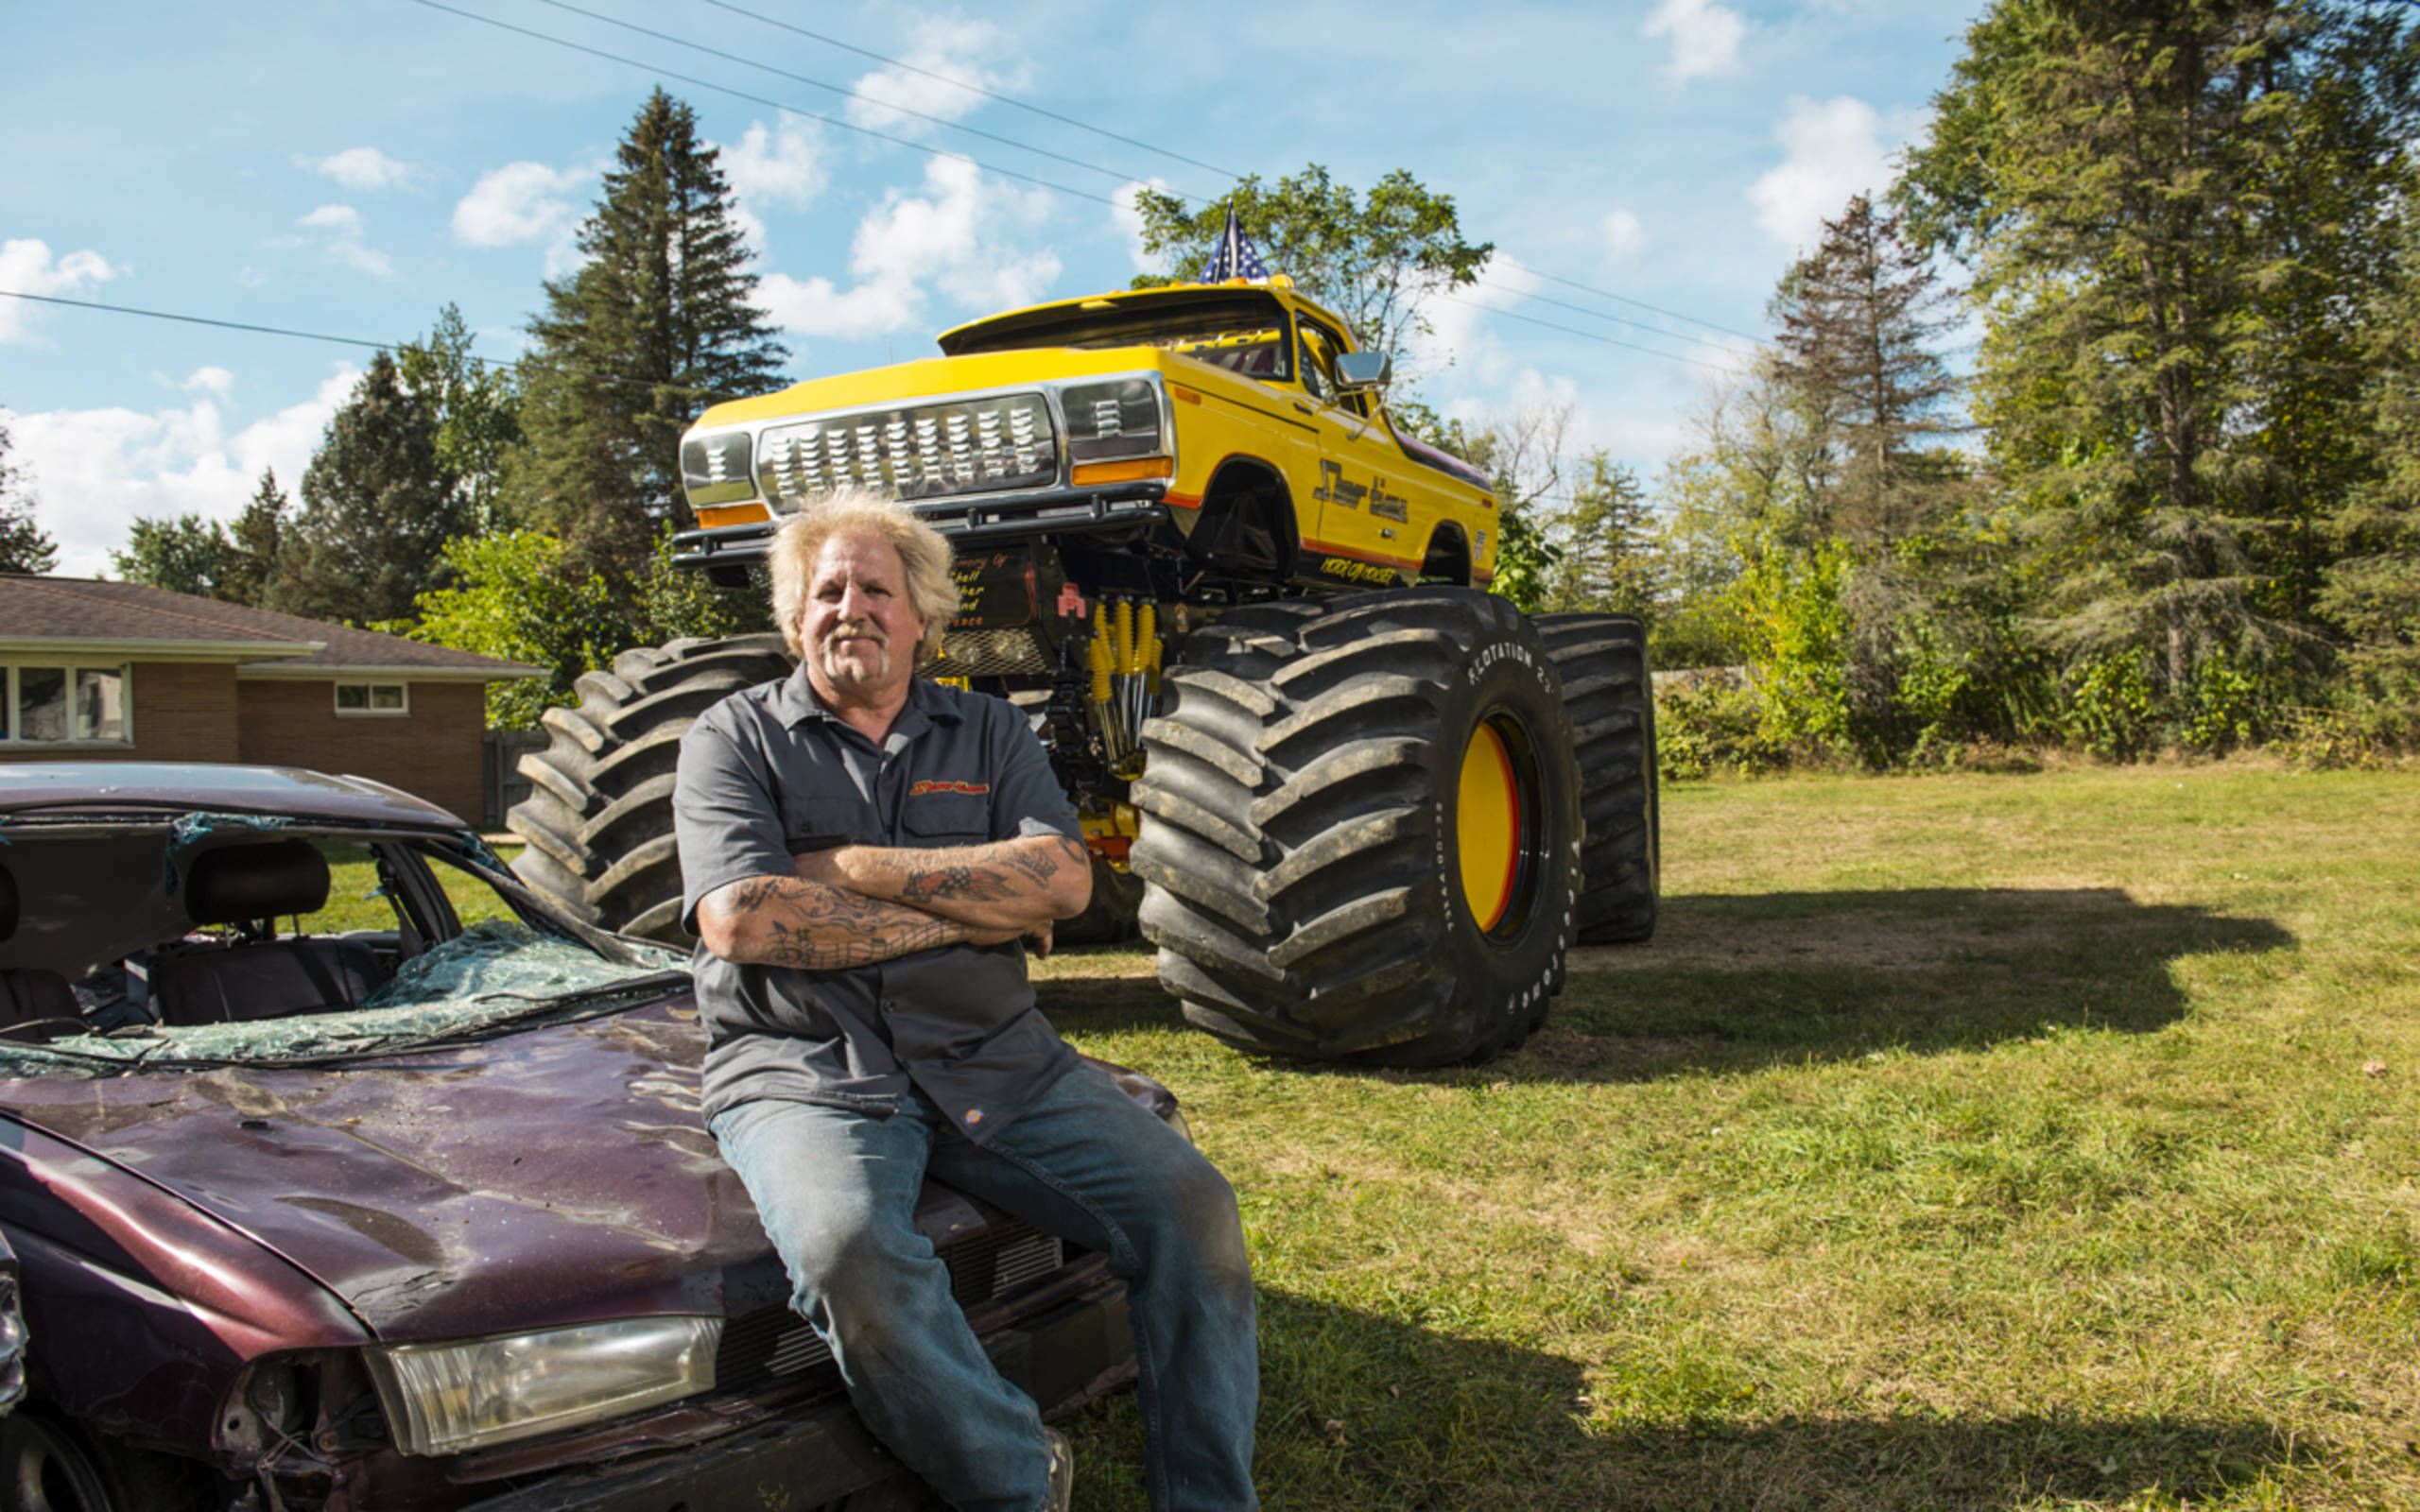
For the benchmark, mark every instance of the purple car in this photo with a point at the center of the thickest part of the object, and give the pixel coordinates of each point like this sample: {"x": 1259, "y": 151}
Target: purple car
{"x": 344, "y": 1173}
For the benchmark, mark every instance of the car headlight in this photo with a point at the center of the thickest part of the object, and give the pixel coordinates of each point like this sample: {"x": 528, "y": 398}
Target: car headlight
{"x": 715, "y": 468}
{"x": 444, "y": 1398}
{"x": 1118, "y": 420}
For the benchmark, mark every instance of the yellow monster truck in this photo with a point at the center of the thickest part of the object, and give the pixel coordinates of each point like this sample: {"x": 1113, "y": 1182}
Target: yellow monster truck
{"x": 1362, "y": 807}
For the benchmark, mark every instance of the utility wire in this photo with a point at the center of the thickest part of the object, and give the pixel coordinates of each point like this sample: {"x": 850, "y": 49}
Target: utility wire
{"x": 1624, "y": 320}
{"x": 769, "y": 104}
{"x": 974, "y": 89}
{"x": 1119, "y": 174}
{"x": 1624, "y": 299}
{"x": 1589, "y": 336}
{"x": 521, "y": 362}
{"x": 1092, "y": 168}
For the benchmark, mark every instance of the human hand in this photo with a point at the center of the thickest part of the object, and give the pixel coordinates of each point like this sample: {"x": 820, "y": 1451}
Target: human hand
{"x": 821, "y": 866}
{"x": 1037, "y": 940}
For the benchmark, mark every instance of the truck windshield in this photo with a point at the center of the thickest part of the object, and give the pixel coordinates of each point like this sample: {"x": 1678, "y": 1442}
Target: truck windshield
{"x": 1244, "y": 331}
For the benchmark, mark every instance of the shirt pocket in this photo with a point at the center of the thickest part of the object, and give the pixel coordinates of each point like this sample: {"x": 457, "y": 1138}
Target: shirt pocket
{"x": 820, "y": 823}
{"x": 948, "y": 818}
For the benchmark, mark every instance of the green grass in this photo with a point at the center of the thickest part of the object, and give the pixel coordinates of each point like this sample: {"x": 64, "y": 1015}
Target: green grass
{"x": 356, "y": 902}
{"x": 1961, "y": 1143}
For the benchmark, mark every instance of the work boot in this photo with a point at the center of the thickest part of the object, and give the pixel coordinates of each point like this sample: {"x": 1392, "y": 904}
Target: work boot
{"x": 1062, "y": 1471}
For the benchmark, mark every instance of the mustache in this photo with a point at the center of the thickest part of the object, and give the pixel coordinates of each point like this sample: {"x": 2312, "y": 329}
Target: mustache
{"x": 867, "y": 630}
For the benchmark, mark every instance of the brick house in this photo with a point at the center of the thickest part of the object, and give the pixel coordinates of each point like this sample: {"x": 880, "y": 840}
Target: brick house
{"x": 100, "y": 669}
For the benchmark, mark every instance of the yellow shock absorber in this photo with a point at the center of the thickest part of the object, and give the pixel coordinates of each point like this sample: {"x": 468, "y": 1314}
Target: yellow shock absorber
{"x": 1096, "y": 660}
{"x": 1152, "y": 664}
{"x": 1124, "y": 638}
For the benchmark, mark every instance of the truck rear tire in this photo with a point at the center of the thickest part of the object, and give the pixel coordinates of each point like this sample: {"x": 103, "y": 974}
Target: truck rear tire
{"x": 1361, "y": 833}
{"x": 598, "y": 819}
{"x": 1602, "y": 659}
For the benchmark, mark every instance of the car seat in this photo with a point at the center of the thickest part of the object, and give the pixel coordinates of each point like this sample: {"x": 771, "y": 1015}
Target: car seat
{"x": 253, "y": 885}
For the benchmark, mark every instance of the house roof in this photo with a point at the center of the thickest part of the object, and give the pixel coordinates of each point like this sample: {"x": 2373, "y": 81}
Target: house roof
{"x": 83, "y": 616}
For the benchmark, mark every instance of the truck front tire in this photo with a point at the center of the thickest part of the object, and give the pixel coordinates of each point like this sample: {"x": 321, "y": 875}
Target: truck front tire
{"x": 1362, "y": 836}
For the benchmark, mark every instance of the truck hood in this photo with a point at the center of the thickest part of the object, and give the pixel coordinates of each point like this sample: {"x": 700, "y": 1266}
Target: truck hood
{"x": 555, "y": 1175}
{"x": 937, "y": 377}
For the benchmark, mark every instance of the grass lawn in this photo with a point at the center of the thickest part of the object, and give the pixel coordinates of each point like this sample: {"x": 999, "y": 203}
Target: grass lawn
{"x": 1959, "y": 1142}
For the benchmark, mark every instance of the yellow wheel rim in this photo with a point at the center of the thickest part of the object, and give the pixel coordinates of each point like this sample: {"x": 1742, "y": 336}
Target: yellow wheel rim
{"x": 1488, "y": 826}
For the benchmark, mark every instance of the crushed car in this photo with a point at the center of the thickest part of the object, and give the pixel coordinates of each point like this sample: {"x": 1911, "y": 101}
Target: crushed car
{"x": 344, "y": 1173}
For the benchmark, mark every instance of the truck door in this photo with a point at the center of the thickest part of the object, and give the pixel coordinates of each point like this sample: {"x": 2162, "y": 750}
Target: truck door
{"x": 1372, "y": 525}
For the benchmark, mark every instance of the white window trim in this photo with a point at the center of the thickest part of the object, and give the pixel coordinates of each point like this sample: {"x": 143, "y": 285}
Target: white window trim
{"x": 14, "y": 740}
{"x": 334, "y": 698}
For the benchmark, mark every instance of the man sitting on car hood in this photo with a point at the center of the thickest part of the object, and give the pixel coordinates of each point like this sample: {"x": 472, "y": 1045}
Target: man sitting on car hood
{"x": 863, "y": 853}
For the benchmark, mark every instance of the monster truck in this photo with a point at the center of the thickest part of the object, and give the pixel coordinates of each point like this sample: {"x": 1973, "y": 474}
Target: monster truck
{"x": 1362, "y": 806}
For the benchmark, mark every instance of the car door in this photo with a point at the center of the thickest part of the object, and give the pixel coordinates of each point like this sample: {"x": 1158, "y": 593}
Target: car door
{"x": 1371, "y": 525}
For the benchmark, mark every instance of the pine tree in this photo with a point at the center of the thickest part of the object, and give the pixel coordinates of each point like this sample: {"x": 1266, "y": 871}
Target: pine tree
{"x": 657, "y": 324}
{"x": 2159, "y": 203}
{"x": 477, "y": 410}
{"x": 377, "y": 509}
{"x": 250, "y": 567}
{"x": 1608, "y": 536}
{"x": 24, "y": 546}
{"x": 183, "y": 554}
{"x": 1862, "y": 319}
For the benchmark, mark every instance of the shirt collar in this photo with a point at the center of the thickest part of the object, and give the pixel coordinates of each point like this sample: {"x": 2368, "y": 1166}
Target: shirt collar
{"x": 796, "y": 702}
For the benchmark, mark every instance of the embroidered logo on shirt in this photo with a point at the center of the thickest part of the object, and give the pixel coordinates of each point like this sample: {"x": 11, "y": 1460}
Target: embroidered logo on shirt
{"x": 975, "y": 1115}
{"x": 931, "y": 785}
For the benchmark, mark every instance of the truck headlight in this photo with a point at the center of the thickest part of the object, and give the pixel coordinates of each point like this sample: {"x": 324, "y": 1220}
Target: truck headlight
{"x": 715, "y": 468}
{"x": 444, "y": 1398}
{"x": 1119, "y": 420}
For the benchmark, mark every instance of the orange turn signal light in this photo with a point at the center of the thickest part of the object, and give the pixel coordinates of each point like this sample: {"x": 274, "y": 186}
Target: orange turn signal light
{"x": 733, "y": 514}
{"x": 1088, "y": 473}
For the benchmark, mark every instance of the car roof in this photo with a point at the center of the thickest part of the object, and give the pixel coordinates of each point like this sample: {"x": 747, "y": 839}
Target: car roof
{"x": 214, "y": 788}
{"x": 1286, "y": 295}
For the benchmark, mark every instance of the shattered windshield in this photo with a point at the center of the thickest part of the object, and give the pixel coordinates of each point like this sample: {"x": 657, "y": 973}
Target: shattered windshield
{"x": 205, "y": 941}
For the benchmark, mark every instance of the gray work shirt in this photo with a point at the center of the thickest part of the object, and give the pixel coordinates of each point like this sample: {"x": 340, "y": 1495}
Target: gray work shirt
{"x": 769, "y": 773}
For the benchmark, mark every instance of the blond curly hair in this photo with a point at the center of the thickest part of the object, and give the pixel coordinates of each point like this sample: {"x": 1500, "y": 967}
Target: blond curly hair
{"x": 932, "y": 593}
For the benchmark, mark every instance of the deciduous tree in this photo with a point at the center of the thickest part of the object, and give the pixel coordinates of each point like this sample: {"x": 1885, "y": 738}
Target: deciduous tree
{"x": 24, "y": 546}
{"x": 378, "y": 508}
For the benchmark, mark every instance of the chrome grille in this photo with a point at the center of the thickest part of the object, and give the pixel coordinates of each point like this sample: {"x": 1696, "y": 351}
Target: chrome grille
{"x": 775, "y": 1343}
{"x": 962, "y": 446}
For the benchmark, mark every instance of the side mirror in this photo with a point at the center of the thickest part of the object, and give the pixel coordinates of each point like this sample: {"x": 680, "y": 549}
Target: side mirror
{"x": 1358, "y": 373}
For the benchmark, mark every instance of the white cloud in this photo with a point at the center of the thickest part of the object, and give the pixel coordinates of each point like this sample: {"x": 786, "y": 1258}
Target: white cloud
{"x": 1831, "y": 149}
{"x": 971, "y": 52}
{"x": 360, "y": 168}
{"x": 94, "y": 471}
{"x": 216, "y": 381}
{"x": 1460, "y": 336}
{"x": 518, "y": 202}
{"x": 1623, "y": 234}
{"x": 342, "y": 232}
{"x": 783, "y": 168}
{"x": 1129, "y": 220}
{"x": 27, "y": 267}
{"x": 1706, "y": 36}
{"x": 946, "y": 237}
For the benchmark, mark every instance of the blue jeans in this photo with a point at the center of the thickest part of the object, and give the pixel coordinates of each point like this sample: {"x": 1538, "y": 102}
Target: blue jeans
{"x": 836, "y": 1190}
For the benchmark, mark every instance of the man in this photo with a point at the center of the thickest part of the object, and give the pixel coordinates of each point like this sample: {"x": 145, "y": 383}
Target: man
{"x": 862, "y": 854}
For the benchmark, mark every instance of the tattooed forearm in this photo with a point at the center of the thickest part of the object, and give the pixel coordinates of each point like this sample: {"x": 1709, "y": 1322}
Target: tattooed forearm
{"x": 790, "y": 921}
{"x": 1039, "y": 865}
{"x": 975, "y": 884}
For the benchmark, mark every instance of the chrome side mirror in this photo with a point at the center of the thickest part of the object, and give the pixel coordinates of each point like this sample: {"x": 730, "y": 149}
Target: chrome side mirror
{"x": 1358, "y": 373}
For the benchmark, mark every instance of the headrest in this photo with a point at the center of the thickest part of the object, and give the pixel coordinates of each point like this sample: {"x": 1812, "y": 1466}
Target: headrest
{"x": 7, "y": 903}
{"x": 237, "y": 884}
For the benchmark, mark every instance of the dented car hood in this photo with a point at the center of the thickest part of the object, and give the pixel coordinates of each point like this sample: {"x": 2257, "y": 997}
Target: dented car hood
{"x": 553, "y": 1176}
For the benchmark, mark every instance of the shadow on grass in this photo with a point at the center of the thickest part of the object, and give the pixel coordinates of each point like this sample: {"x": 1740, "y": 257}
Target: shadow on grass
{"x": 1361, "y": 1412}
{"x": 1734, "y": 982}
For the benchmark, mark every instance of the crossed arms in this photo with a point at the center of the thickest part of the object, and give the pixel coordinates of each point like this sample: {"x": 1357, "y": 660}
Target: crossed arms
{"x": 859, "y": 904}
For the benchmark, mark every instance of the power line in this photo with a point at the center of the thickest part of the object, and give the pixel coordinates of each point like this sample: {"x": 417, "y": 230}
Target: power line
{"x": 769, "y": 104}
{"x": 1616, "y": 320}
{"x": 1092, "y": 168}
{"x": 521, "y": 363}
{"x": 837, "y": 89}
{"x": 1624, "y": 299}
{"x": 973, "y": 89}
{"x": 1588, "y": 335}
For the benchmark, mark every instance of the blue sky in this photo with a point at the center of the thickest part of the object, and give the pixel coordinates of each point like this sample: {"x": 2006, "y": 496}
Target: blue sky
{"x": 348, "y": 169}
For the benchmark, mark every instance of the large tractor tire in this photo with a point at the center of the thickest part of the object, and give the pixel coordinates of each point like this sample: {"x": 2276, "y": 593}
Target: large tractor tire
{"x": 1361, "y": 833}
{"x": 1108, "y": 918}
{"x": 598, "y": 819}
{"x": 1602, "y": 659}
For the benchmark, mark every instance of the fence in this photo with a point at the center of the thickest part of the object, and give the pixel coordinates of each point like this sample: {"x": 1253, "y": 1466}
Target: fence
{"x": 502, "y": 786}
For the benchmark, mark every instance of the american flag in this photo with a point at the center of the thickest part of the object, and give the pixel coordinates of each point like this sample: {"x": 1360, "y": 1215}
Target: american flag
{"x": 1237, "y": 257}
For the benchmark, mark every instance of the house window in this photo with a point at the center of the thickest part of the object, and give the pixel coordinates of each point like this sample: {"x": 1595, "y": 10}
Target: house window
{"x": 64, "y": 704}
{"x": 374, "y": 699}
